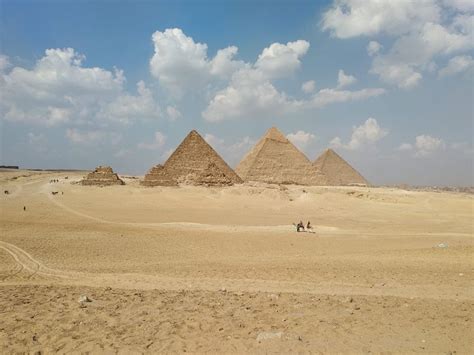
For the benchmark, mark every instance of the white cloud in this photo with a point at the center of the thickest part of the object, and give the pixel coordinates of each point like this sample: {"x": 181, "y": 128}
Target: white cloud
{"x": 157, "y": 143}
{"x": 223, "y": 64}
{"x": 280, "y": 60}
{"x": 421, "y": 34}
{"x": 301, "y": 138}
{"x": 59, "y": 90}
{"x": 181, "y": 65}
{"x": 4, "y": 63}
{"x": 405, "y": 147}
{"x": 364, "y": 135}
{"x": 308, "y": 87}
{"x": 457, "y": 65}
{"x": 126, "y": 108}
{"x": 413, "y": 53}
{"x": 250, "y": 95}
{"x": 344, "y": 80}
{"x": 173, "y": 113}
{"x": 373, "y": 48}
{"x": 84, "y": 137}
{"x": 426, "y": 145}
{"x": 352, "y": 18}
{"x": 326, "y": 97}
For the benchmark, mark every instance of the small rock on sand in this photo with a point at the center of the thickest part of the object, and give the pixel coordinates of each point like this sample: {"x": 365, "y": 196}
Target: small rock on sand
{"x": 84, "y": 299}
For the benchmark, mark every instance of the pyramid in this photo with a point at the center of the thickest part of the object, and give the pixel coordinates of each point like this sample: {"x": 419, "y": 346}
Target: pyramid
{"x": 194, "y": 162}
{"x": 274, "y": 159}
{"x": 337, "y": 170}
{"x": 102, "y": 176}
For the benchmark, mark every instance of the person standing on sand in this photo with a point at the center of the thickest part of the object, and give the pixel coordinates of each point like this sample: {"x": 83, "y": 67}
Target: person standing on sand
{"x": 300, "y": 226}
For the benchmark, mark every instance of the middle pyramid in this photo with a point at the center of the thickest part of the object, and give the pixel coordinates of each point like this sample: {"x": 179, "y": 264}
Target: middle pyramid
{"x": 194, "y": 162}
{"x": 274, "y": 159}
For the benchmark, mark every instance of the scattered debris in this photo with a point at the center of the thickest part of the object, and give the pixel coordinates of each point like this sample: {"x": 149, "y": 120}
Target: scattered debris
{"x": 273, "y": 297}
{"x": 84, "y": 299}
{"x": 269, "y": 335}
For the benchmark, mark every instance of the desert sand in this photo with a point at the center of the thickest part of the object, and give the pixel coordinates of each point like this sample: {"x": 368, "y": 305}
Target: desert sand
{"x": 222, "y": 269}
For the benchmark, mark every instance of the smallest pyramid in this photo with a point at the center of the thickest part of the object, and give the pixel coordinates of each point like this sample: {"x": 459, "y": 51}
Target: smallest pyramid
{"x": 337, "y": 171}
{"x": 102, "y": 176}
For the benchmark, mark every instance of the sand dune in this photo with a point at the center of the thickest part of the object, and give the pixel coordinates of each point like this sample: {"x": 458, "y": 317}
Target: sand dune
{"x": 223, "y": 270}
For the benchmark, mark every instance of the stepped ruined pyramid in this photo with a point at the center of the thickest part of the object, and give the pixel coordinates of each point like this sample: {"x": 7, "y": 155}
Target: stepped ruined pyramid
{"x": 274, "y": 159}
{"x": 194, "y": 162}
{"x": 337, "y": 170}
{"x": 102, "y": 176}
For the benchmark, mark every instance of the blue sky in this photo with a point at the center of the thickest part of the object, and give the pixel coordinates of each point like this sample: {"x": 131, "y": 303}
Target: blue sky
{"x": 121, "y": 83}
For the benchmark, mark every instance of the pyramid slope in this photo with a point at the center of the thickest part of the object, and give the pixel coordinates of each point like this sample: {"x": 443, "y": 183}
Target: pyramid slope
{"x": 274, "y": 159}
{"x": 193, "y": 160}
{"x": 102, "y": 176}
{"x": 337, "y": 170}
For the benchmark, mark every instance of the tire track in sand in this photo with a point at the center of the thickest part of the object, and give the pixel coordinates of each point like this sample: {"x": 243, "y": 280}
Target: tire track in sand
{"x": 147, "y": 281}
{"x": 28, "y": 263}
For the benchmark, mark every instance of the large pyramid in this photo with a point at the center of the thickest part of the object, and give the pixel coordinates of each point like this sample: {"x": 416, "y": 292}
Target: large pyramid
{"x": 274, "y": 159}
{"x": 194, "y": 162}
{"x": 337, "y": 170}
{"x": 102, "y": 176}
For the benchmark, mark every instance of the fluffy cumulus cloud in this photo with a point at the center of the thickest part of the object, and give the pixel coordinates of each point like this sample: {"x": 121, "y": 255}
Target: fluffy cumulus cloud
{"x": 457, "y": 65}
{"x": 308, "y": 87}
{"x": 423, "y": 33}
{"x": 414, "y": 53}
{"x": 301, "y": 138}
{"x": 344, "y": 80}
{"x": 280, "y": 60}
{"x": 60, "y": 90}
{"x": 364, "y": 135}
{"x": 126, "y": 107}
{"x": 239, "y": 89}
{"x": 373, "y": 48}
{"x": 352, "y": 18}
{"x": 252, "y": 94}
{"x": 426, "y": 145}
{"x": 181, "y": 64}
{"x": 159, "y": 141}
{"x": 4, "y": 62}
{"x": 173, "y": 113}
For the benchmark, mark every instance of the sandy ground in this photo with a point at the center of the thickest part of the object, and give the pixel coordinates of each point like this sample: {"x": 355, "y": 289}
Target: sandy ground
{"x": 223, "y": 270}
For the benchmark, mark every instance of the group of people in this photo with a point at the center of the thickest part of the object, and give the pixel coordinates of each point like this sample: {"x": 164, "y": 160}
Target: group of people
{"x": 300, "y": 227}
